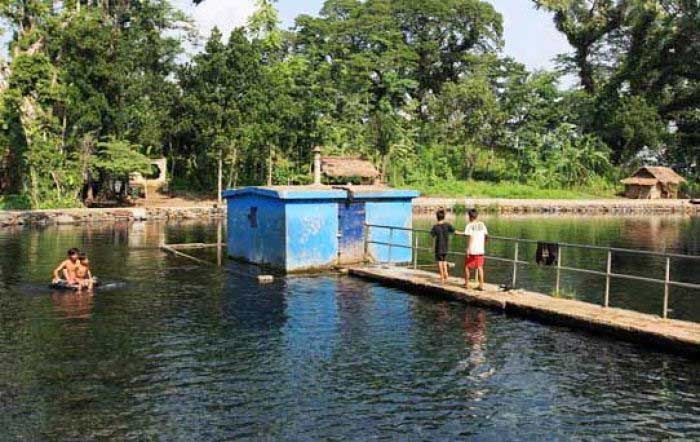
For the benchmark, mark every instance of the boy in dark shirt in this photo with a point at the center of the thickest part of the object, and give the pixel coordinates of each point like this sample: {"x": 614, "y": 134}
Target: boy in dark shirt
{"x": 441, "y": 232}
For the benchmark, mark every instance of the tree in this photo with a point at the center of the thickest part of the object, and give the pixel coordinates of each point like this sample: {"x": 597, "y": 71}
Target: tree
{"x": 586, "y": 24}
{"x": 220, "y": 87}
{"x": 470, "y": 117}
{"x": 81, "y": 73}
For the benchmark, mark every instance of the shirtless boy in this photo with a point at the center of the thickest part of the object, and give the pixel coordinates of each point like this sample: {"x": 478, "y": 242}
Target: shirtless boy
{"x": 82, "y": 272}
{"x": 66, "y": 271}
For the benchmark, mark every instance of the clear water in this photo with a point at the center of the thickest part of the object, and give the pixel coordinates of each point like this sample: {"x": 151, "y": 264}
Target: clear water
{"x": 175, "y": 351}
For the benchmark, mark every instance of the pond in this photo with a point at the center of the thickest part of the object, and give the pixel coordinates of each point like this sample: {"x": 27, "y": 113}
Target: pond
{"x": 176, "y": 351}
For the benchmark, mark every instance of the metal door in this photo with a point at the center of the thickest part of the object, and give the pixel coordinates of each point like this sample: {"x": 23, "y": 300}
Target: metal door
{"x": 351, "y": 228}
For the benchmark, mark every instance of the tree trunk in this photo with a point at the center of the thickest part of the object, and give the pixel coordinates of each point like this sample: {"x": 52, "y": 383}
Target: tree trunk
{"x": 232, "y": 171}
{"x": 269, "y": 169}
{"x": 220, "y": 166}
{"x": 585, "y": 70}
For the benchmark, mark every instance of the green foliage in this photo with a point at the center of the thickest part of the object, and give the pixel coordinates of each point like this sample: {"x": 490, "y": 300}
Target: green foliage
{"x": 564, "y": 158}
{"x": 509, "y": 189}
{"x": 419, "y": 88}
{"x": 15, "y": 202}
{"x": 117, "y": 158}
{"x": 637, "y": 61}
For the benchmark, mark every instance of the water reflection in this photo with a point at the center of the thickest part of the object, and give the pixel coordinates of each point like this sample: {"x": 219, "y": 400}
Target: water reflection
{"x": 185, "y": 352}
{"x": 73, "y": 305}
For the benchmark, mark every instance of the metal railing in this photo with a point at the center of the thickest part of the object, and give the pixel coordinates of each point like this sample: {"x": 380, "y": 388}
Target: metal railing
{"x": 609, "y": 275}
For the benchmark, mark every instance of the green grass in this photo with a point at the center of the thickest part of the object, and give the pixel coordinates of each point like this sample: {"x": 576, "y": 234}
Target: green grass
{"x": 484, "y": 189}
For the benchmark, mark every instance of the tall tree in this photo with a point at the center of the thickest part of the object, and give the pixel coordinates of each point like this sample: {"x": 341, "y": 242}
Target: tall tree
{"x": 586, "y": 24}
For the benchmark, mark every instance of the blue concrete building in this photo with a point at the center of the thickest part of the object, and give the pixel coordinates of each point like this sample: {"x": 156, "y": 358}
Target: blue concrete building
{"x": 309, "y": 228}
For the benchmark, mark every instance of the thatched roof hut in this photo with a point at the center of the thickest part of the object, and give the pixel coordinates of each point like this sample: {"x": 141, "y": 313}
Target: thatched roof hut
{"x": 349, "y": 167}
{"x": 653, "y": 183}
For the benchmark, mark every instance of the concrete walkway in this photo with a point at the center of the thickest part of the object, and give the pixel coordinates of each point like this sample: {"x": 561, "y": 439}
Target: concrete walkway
{"x": 664, "y": 334}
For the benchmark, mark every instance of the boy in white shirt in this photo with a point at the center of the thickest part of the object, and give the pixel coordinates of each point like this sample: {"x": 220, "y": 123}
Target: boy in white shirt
{"x": 477, "y": 235}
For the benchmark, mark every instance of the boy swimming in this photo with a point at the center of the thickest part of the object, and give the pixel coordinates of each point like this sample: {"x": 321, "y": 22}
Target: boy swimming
{"x": 66, "y": 271}
{"x": 83, "y": 274}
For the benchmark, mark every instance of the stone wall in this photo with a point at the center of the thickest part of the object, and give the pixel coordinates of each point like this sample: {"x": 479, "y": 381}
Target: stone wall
{"x": 79, "y": 216}
{"x": 420, "y": 206}
{"x": 558, "y": 207}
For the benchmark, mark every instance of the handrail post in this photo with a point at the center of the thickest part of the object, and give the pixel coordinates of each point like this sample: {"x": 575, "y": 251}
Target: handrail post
{"x": 667, "y": 280}
{"x": 608, "y": 275}
{"x": 391, "y": 241}
{"x": 558, "y": 286}
{"x": 515, "y": 265}
{"x": 415, "y": 250}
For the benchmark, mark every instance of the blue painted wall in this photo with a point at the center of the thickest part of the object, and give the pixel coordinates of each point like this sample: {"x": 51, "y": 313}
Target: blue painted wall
{"x": 260, "y": 240}
{"x": 312, "y": 229}
{"x": 296, "y": 229}
{"x": 390, "y": 213}
{"x": 351, "y": 222}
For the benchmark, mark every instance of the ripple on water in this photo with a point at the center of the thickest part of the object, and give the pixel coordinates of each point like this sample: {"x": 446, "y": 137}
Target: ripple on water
{"x": 186, "y": 353}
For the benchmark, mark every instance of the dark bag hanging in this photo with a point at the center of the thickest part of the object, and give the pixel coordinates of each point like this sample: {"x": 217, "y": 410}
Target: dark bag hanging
{"x": 546, "y": 253}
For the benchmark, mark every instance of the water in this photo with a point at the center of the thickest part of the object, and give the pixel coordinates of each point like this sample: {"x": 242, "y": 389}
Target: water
{"x": 180, "y": 352}
{"x": 673, "y": 234}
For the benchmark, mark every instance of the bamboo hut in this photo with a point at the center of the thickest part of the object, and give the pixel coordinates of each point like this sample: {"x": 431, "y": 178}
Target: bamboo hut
{"x": 653, "y": 183}
{"x": 341, "y": 169}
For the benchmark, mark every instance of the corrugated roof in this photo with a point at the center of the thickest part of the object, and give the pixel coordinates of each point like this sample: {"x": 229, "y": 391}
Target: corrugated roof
{"x": 346, "y": 167}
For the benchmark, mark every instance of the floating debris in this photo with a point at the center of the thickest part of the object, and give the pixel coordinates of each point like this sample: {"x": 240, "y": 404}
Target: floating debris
{"x": 266, "y": 279}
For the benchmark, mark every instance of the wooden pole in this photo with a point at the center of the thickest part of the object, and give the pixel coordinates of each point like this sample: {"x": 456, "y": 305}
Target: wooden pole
{"x": 220, "y": 179}
{"x": 667, "y": 280}
{"x": 515, "y": 265}
{"x": 269, "y": 169}
{"x": 219, "y": 248}
{"x": 608, "y": 273}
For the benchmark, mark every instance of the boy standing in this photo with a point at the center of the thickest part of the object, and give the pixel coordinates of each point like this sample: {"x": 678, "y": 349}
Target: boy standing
{"x": 478, "y": 236}
{"x": 441, "y": 232}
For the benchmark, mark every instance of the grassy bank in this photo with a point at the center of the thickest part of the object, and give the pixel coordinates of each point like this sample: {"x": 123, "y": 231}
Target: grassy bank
{"x": 484, "y": 189}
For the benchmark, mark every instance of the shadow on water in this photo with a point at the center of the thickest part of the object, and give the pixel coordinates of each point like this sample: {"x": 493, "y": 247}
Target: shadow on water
{"x": 187, "y": 352}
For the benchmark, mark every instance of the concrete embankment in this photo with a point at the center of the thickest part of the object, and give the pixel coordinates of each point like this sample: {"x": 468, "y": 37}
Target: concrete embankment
{"x": 420, "y": 206}
{"x": 665, "y": 334}
{"x": 591, "y": 207}
{"x": 80, "y": 216}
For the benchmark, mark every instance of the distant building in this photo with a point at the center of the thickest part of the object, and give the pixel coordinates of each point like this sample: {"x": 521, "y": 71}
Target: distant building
{"x": 344, "y": 169}
{"x": 653, "y": 183}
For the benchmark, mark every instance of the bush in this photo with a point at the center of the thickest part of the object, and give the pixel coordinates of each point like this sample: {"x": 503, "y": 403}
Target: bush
{"x": 15, "y": 202}
{"x": 508, "y": 189}
{"x": 60, "y": 203}
{"x": 690, "y": 190}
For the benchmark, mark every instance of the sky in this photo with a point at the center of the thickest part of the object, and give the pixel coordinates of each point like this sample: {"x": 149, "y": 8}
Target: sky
{"x": 530, "y": 35}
